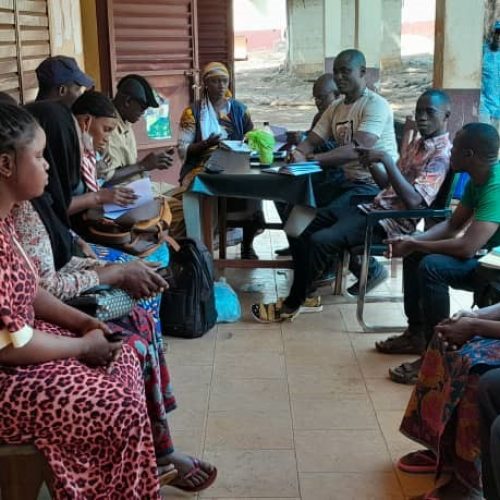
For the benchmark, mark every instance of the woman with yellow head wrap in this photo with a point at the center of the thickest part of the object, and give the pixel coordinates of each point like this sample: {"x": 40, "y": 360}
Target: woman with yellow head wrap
{"x": 218, "y": 116}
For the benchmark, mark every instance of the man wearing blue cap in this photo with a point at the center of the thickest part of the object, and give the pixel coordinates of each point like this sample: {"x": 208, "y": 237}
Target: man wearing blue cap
{"x": 59, "y": 77}
{"x": 489, "y": 107}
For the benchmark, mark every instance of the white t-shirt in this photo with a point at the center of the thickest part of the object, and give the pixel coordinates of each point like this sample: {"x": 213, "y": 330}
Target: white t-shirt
{"x": 370, "y": 113}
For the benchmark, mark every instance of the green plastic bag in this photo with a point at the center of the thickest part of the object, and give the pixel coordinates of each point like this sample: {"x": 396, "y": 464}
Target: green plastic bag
{"x": 263, "y": 142}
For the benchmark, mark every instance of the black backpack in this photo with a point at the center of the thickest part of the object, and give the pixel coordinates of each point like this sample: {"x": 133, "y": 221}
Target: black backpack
{"x": 188, "y": 307}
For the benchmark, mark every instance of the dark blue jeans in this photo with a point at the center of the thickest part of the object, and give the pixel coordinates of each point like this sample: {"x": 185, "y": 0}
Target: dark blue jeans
{"x": 489, "y": 404}
{"x": 426, "y": 279}
{"x": 335, "y": 227}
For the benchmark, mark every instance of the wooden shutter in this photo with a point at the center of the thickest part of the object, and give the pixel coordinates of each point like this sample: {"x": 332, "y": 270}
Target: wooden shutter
{"x": 216, "y": 32}
{"x": 157, "y": 40}
{"x": 24, "y": 44}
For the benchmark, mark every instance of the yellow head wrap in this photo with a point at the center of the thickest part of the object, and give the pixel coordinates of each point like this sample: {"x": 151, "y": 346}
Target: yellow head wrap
{"x": 214, "y": 69}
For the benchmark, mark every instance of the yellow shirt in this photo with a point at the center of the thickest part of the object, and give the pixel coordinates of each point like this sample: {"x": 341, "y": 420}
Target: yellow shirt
{"x": 122, "y": 150}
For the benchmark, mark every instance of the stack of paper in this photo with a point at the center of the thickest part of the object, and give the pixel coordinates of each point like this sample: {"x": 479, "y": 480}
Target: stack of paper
{"x": 235, "y": 146}
{"x": 143, "y": 190}
{"x": 491, "y": 259}
{"x": 295, "y": 169}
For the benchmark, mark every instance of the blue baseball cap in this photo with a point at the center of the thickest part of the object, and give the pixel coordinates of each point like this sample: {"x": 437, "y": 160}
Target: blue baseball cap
{"x": 62, "y": 70}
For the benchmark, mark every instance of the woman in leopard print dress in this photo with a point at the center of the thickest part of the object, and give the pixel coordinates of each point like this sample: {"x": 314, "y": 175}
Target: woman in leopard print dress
{"x": 67, "y": 389}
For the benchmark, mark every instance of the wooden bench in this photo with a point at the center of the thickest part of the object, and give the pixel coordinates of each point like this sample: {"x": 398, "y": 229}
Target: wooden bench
{"x": 23, "y": 470}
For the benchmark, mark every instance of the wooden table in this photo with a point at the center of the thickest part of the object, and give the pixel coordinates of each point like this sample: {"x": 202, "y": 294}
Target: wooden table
{"x": 239, "y": 180}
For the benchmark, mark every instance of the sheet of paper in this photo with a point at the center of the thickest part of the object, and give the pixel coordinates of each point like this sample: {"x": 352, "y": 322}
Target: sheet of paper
{"x": 142, "y": 189}
{"x": 236, "y": 146}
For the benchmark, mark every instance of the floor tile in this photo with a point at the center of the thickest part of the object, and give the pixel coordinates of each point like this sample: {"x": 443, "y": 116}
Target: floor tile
{"x": 249, "y": 431}
{"x": 339, "y": 411}
{"x": 242, "y": 341}
{"x": 342, "y": 451}
{"x": 257, "y": 473}
{"x": 267, "y": 365}
{"x": 343, "y": 369}
{"x": 312, "y": 383}
{"x": 350, "y": 486}
{"x": 387, "y": 395}
{"x": 191, "y": 410}
{"x": 186, "y": 377}
{"x": 266, "y": 396}
{"x": 308, "y": 353}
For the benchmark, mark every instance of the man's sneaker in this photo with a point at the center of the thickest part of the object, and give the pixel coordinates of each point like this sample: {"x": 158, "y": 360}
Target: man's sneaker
{"x": 311, "y": 305}
{"x": 375, "y": 279}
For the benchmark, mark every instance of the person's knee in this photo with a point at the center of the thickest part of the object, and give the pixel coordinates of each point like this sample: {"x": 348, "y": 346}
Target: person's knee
{"x": 489, "y": 386}
{"x": 495, "y": 432}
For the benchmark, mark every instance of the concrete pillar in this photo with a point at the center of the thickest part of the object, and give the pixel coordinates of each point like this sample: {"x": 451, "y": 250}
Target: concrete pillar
{"x": 391, "y": 34}
{"x": 306, "y": 44}
{"x": 333, "y": 31}
{"x": 368, "y": 35}
{"x": 458, "y": 56}
{"x": 348, "y": 19}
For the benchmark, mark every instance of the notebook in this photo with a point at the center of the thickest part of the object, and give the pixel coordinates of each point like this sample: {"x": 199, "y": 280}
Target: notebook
{"x": 295, "y": 169}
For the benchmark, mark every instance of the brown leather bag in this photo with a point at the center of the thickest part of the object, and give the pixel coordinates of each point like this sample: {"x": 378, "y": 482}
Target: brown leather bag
{"x": 138, "y": 232}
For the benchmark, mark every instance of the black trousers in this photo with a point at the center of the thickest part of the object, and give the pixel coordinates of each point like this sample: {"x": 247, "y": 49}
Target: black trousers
{"x": 336, "y": 227}
{"x": 489, "y": 404}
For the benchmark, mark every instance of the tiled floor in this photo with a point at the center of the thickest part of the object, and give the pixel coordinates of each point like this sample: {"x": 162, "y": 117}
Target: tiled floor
{"x": 300, "y": 410}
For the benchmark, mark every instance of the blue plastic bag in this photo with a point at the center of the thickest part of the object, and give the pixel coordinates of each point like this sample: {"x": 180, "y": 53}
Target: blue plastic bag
{"x": 226, "y": 302}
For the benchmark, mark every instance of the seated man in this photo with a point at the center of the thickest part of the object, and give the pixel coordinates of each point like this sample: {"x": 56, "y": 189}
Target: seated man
{"x": 422, "y": 169}
{"x": 360, "y": 118}
{"x": 120, "y": 163}
{"x": 60, "y": 78}
{"x": 324, "y": 93}
{"x": 445, "y": 255}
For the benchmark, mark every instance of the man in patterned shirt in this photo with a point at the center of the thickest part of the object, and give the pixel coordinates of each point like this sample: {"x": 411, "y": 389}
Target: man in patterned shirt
{"x": 413, "y": 182}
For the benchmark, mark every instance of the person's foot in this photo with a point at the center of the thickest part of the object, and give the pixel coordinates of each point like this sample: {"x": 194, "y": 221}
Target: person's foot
{"x": 283, "y": 252}
{"x": 375, "y": 278}
{"x": 248, "y": 253}
{"x": 193, "y": 474}
{"x": 311, "y": 305}
{"x": 406, "y": 343}
{"x": 274, "y": 312}
{"x": 406, "y": 373}
{"x": 325, "y": 279}
{"x": 452, "y": 490}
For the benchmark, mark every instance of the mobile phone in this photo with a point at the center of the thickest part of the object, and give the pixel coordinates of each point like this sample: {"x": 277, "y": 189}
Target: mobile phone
{"x": 115, "y": 336}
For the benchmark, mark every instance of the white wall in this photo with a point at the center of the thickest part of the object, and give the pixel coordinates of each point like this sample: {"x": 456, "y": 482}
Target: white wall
{"x": 306, "y": 37}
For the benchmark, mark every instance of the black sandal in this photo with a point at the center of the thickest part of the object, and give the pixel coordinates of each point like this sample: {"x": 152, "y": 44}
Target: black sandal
{"x": 405, "y": 373}
{"x": 407, "y": 343}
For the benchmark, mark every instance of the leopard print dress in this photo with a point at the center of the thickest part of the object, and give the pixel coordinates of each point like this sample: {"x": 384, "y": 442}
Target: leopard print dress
{"x": 92, "y": 427}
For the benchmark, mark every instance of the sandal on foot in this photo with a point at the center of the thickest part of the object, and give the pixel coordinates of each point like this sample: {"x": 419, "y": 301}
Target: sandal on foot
{"x": 272, "y": 313}
{"x": 401, "y": 344}
{"x": 418, "y": 462}
{"x": 405, "y": 373}
{"x": 166, "y": 474}
{"x": 211, "y": 477}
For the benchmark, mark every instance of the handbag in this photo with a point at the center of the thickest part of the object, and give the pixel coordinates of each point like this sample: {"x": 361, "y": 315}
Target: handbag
{"x": 139, "y": 231}
{"x": 104, "y": 303}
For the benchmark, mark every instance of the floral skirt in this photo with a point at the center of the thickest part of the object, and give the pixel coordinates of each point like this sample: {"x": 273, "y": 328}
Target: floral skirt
{"x": 443, "y": 412}
{"x": 139, "y": 330}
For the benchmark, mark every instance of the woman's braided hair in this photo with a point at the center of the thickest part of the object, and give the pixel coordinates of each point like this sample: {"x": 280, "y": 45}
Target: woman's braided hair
{"x": 17, "y": 127}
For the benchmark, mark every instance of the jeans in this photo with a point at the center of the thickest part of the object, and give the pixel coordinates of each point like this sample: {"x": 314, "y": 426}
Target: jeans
{"x": 426, "y": 278}
{"x": 489, "y": 404}
{"x": 335, "y": 227}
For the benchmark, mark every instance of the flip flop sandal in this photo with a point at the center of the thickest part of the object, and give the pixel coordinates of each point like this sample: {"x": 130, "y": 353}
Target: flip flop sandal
{"x": 192, "y": 472}
{"x": 271, "y": 313}
{"x": 401, "y": 344}
{"x": 418, "y": 462}
{"x": 167, "y": 476}
{"x": 404, "y": 374}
